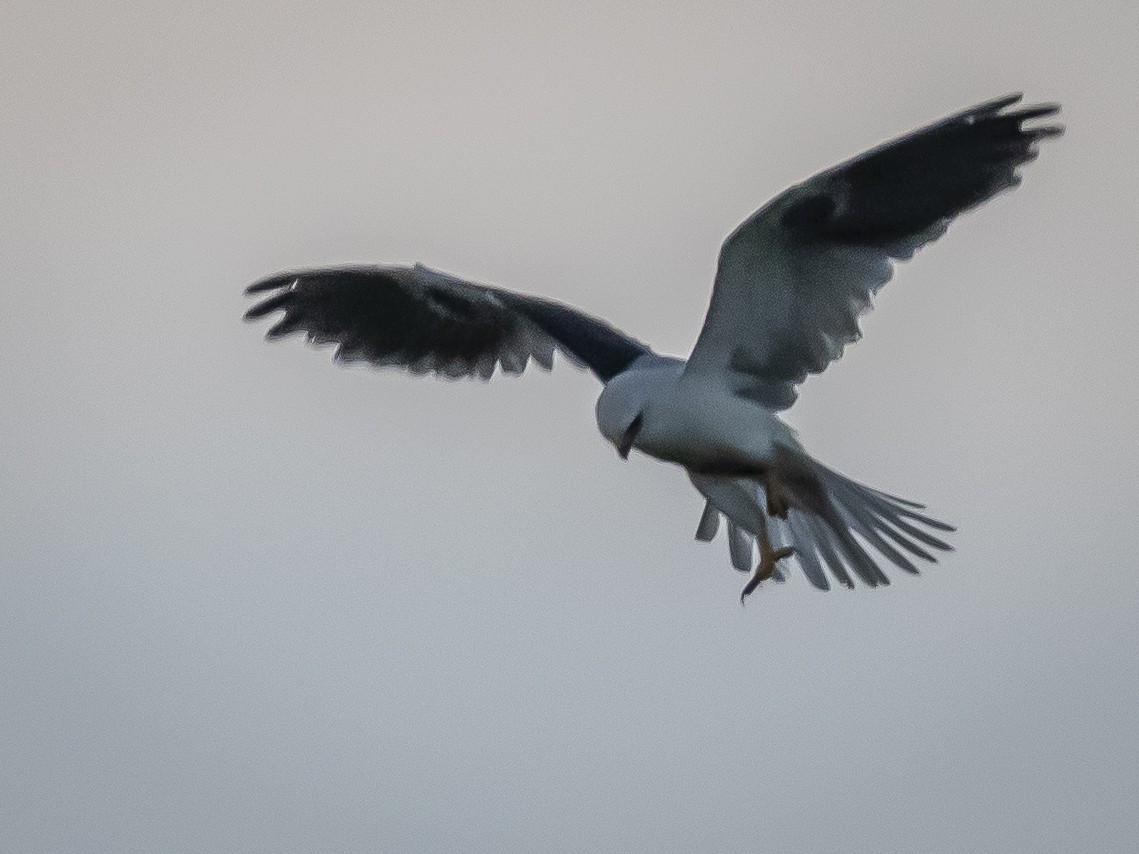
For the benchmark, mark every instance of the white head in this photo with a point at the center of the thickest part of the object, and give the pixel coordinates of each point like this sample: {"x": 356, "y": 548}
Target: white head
{"x": 621, "y": 407}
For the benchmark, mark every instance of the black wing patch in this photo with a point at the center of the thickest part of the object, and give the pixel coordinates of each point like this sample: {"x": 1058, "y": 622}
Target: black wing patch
{"x": 594, "y": 343}
{"x": 911, "y": 186}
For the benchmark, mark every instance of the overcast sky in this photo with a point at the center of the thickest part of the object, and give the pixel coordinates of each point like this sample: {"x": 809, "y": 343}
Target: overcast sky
{"x": 251, "y": 601}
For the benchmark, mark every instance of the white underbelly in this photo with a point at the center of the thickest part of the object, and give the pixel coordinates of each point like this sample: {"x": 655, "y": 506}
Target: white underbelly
{"x": 709, "y": 429}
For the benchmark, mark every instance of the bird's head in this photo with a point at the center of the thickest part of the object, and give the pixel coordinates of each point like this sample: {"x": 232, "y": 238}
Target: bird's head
{"x": 621, "y": 411}
{"x": 622, "y": 432}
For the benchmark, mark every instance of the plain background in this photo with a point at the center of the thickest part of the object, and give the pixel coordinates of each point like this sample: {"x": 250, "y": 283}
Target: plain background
{"x": 251, "y": 601}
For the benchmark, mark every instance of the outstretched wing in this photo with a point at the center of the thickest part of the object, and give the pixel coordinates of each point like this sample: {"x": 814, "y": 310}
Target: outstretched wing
{"x": 430, "y": 322}
{"x": 795, "y": 276}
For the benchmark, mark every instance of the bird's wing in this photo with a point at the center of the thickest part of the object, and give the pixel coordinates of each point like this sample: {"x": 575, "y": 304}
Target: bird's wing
{"x": 794, "y": 277}
{"x": 430, "y": 322}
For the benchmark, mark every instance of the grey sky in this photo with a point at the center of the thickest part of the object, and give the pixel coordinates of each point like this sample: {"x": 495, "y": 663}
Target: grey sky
{"x": 250, "y": 601}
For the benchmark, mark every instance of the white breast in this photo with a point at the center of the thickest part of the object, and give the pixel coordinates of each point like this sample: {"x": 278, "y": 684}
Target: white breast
{"x": 702, "y": 425}
{"x": 688, "y": 420}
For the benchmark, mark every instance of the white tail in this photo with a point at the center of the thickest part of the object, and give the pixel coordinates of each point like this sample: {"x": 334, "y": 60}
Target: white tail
{"x": 832, "y": 523}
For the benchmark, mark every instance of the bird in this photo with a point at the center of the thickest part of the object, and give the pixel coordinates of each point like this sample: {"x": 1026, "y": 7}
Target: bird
{"x": 791, "y": 283}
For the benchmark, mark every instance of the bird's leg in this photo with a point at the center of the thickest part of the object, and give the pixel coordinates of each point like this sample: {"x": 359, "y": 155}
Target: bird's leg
{"x": 778, "y": 498}
{"x": 768, "y": 557}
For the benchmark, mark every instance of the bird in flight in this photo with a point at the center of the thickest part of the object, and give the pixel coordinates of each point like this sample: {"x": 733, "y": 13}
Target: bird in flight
{"x": 791, "y": 283}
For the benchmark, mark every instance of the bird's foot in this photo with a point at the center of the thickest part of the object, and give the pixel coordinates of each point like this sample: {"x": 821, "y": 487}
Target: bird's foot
{"x": 768, "y": 557}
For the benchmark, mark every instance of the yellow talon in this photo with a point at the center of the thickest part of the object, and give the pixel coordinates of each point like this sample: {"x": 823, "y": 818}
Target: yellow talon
{"x": 768, "y": 557}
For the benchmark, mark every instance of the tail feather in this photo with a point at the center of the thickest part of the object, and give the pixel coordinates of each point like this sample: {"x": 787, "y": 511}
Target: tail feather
{"x": 877, "y": 516}
{"x": 709, "y": 523}
{"x": 864, "y": 527}
{"x": 805, "y": 551}
{"x": 833, "y": 524}
{"x": 740, "y": 547}
{"x": 821, "y": 533}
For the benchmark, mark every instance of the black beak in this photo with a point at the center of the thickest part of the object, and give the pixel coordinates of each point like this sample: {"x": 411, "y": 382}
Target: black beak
{"x": 630, "y": 436}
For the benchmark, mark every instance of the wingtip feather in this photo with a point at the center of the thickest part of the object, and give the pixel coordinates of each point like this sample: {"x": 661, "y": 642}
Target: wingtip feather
{"x": 1036, "y": 111}
{"x": 271, "y": 283}
{"x": 266, "y": 306}
{"x": 992, "y": 106}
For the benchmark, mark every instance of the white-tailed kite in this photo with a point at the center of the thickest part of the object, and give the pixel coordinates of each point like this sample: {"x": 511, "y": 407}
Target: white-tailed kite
{"x": 791, "y": 283}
